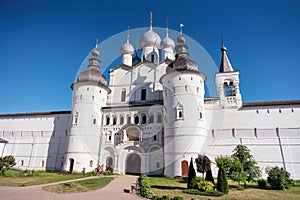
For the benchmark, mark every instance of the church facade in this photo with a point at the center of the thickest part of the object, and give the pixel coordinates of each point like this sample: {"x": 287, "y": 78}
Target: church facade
{"x": 153, "y": 118}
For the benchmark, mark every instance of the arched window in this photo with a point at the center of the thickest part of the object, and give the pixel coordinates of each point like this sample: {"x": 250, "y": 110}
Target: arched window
{"x": 75, "y": 119}
{"x": 121, "y": 119}
{"x": 151, "y": 118}
{"x": 128, "y": 119}
{"x": 123, "y": 95}
{"x": 144, "y": 119}
{"x": 114, "y": 120}
{"x": 91, "y": 163}
{"x": 94, "y": 121}
{"x": 229, "y": 89}
{"x": 152, "y": 57}
{"x": 179, "y": 111}
{"x": 107, "y": 120}
{"x": 136, "y": 119}
{"x": 158, "y": 119}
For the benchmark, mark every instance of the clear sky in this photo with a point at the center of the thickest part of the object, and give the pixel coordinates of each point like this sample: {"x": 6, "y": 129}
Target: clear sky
{"x": 43, "y": 43}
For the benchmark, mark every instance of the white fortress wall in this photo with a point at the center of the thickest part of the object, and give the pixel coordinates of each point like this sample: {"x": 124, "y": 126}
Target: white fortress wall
{"x": 36, "y": 140}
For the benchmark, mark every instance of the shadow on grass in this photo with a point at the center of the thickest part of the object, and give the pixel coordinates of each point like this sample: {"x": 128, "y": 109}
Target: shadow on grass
{"x": 167, "y": 187}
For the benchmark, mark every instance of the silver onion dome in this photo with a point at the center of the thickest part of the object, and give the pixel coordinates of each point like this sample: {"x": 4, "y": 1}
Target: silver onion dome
{"x": 167, "y": 42}
{"x": 150, "y": 38}
{"x": 127, "y": 48}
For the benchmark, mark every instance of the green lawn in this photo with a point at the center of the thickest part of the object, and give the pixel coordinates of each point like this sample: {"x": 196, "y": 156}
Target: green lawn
{"x": 174, "y": 187}
{"x": 79, "y": 186}
{"x": 20, "y": 178}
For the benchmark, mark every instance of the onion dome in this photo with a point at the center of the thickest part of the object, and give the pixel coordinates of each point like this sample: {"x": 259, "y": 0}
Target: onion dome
{"x": 150, "y": 38}
{"x": 92, "y": 73}
{"x": 127, "y": 48}
{"x": 167, "y": 42}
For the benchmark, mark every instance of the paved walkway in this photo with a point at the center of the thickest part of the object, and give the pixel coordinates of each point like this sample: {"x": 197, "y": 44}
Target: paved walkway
{"x": 114, "y": 190}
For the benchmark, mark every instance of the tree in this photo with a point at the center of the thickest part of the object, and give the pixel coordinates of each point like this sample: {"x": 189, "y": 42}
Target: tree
{"x": 242, "y": 158}
{"x": 222, "y": 184}
{"x": 279, "y": 178}
{"x": 192, "y": 178}
{"x": 209, "y": 177}
{"x": 6, "y": 162}
{"x": 203, "y": 164}
{"x": 226, "y": 162}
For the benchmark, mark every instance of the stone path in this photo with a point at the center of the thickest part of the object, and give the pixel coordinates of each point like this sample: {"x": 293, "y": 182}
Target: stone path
{"x": 114, "y": 190}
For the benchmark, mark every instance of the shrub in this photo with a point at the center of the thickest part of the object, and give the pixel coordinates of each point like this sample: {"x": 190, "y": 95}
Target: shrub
{"x": 145, "y": 189}
{"x": 192, "y": 178}
{"x": 279, "y": 178}
{"x": 209, "y": 177}
{"x": 222, "y": 184}
{"x": 178, "y": 198}
{"x": 206, "y": 186}
{"x": 166, "y": 197}
{"x": 262, "y": 184}
{"x": 155, "y": 197}
{"x": 6, "y": 163}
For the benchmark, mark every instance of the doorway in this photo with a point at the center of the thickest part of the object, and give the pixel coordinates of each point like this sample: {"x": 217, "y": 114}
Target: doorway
{"x": 184, "y": 168}
{"x": 133, "y": 164}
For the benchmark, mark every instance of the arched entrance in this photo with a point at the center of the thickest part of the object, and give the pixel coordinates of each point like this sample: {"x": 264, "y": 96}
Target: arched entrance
{"x": 133, "y": 164}
{"x": 71, "y": 165}
{"x": 109, "y": 162}
{"x": 184, "y": 168}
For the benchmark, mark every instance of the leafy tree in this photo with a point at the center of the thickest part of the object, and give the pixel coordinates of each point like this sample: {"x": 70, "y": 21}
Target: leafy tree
{"x": 222, "y": 184}
{"x": 242, "y": 158}
{"x": 203, "y": 164}
{"x": 192, "y": 178}
{"x": 226, "y": 162}
{"x": 6, "y": 162}
{"x": 279, "y": 178}
{"x": 238, "y": 174}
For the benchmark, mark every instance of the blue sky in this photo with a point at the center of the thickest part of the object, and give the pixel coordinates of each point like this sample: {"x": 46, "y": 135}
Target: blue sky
{"x": 43, "y": 43}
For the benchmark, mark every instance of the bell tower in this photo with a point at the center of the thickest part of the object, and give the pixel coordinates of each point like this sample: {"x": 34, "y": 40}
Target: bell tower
{"x": 227, "y": 82}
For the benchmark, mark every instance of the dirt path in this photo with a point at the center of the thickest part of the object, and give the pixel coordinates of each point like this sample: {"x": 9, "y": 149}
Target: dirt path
{"x": 114, "y": 190}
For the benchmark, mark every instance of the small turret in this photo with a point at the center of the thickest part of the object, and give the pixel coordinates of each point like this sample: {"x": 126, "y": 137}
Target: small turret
{"x": 167, "y": 45}
{"x": 127, "y": 51}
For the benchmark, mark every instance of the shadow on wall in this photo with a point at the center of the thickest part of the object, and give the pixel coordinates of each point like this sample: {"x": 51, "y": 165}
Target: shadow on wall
{"x": 58, "y": 143}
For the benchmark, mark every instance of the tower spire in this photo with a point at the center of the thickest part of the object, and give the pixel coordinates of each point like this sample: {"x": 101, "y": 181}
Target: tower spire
{"x": 225, "y": 65}
{"x": 97, "y": 42}
{"x": 151, "y": 20}
{"x": 181, "y": 26}
{"x": 167, "y": 29}
{"x": 128, "y": 34}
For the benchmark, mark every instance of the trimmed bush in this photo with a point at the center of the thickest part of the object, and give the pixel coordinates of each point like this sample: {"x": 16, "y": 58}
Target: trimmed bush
{"x": 262, "y": 184}
{"x": 205, "y": 186}
{"x": 145, "y": 189}
{"x": 192, "y": 178}
{"x": 222, "y": 184}
{"x": 209, "y": 177}
{"x": 279, "y": 178}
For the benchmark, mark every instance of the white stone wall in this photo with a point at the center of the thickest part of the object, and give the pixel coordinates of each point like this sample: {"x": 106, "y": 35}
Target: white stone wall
{"x": 37, "y": 141}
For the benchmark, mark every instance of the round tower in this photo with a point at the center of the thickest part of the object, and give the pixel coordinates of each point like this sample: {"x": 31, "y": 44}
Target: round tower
{"x": 89, "y": 96}
{"x": 184, "y": 123}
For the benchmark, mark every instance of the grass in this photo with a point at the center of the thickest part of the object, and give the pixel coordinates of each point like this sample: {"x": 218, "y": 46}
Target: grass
{"x": 166, "y": 186}
{"x": 79, "y": 186}
{"x": 19, "y": 178}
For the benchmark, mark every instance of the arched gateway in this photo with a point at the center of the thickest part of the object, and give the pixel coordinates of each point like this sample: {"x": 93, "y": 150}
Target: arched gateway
{"x": 133, "y": 164}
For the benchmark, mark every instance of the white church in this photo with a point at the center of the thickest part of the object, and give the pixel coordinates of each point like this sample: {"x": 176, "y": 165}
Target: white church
{"x": 153, "y": 117}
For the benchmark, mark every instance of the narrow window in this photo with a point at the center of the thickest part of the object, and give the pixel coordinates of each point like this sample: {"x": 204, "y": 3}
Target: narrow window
{"x": 151, "y": 119}
{"x": 157, "y": 165}
{"x": 292, "y": 110}
{"x": 154, "y": 137}
{"x": 114, "y": 120}
{"x": 107, "y": 120}
{"x": 75, "y": 118}
{"x": 179, "y": 112}
{"x": 87, "y": 89}
{"x": 197, "y": 90}
{"x": 94, "y": 121}
{"x": 91, "y": 163}
{"x": 122, "y": 120}
{"x": 200, "y": 115}
{"x": 158, "y": 120}
{"x": 152, "y": 58}
{"x": 128, "y": 120}
{"x": 136, "y": 119}
{"x": 22, "y": 162}
{"x": 144, "y": 119}
{"x": 109, "y": 138}
{"x": 123, "y": 95}
{"x": 143, "y": 95}
{"x": 279, "y": 110}
{"x": 43, "y": 163}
